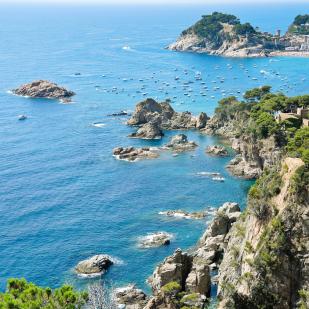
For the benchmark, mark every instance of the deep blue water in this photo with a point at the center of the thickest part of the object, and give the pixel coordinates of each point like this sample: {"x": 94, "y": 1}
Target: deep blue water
{"x": 63, "y": 197}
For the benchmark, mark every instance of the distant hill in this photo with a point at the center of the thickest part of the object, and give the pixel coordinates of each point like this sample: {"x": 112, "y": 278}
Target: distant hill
{"x": 300, "y": 25}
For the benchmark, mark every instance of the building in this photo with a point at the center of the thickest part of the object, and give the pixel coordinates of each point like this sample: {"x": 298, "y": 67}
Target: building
{"x": 299, "y": 113}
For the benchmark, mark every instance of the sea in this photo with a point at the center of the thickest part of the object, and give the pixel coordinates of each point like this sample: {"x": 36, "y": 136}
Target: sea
{"x": 63, "y": 196}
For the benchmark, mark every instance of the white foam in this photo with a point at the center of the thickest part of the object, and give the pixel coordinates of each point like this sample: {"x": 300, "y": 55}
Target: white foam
{"x": 87, "y": 276}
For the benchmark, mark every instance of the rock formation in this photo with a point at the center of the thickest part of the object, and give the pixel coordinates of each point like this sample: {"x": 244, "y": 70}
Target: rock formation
{"x": 180, "y": 143}
{"x": 130, "y": 297}
{"x": 183, "y": 278}
{"x": 164, "y": 116}
{"x": 96, "y": 264}
{"x": 154, "y": 240}
{"x": 184, "y": 214}
{"x": 148, "y": 131}
{"x": 217, "y": 150}
{"x": 253, "y": 154}
{"x": 44, "y": 89}
{"x": 134, "y": 154}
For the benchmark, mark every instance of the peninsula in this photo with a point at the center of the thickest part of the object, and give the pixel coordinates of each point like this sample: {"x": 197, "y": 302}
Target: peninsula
{"x": 224, "y": 35}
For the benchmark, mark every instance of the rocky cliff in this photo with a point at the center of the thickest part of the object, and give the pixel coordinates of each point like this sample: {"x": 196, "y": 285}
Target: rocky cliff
{"x": 266, "y": 262}
{"x": 253, "y": 154}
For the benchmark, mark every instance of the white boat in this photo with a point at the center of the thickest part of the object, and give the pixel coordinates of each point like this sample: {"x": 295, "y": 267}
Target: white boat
{"x": 218, "y": 178}
{"x": 22, "y": 117}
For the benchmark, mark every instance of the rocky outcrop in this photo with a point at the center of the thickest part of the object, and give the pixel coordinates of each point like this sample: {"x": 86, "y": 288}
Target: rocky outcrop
{"x": 164, "y": 116}
{"x": 148, "y": 131}
{"x": 154, "y": 240}
{"x": 95, "y": 265}
{"x": 184, "y": 214}
{"x": 213, "y": 242}
{"x": 253, "y": 154}
{"x": 217, "y": 150}
{"x": 44, "y": 89}
{"x": 180, "y": 143}
{"x": 134, "y": 154}
{"x": 130, "y": 297}
{"x": 189, "y": 275}
{"x": 265, "y": 263}
{"x": 174, "y": 268}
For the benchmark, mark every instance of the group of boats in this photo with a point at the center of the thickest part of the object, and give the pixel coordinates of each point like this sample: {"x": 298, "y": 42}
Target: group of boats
{"x": 189, "y": 84}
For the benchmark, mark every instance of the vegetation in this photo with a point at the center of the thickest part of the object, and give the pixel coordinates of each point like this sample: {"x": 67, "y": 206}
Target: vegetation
{"x": 300, "y": 25}
{"x": 21, "y": 294}
{"x": 172, "y": 287}
{"x": 244, "y": 29}
{"x": 209, "y": 27}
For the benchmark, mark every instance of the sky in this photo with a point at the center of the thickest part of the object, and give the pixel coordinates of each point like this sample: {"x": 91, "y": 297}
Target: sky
{"x": 144, "y": 2}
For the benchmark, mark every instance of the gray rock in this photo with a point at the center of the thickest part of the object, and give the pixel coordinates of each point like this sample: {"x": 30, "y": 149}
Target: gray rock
{"x": 148, "y": 131}
{"x": 179, "y": 143}
{"x": 183, "y": 214}
{"x": 201, "y": 120}
{"x": 134, "y": 154}
{"x": 155, "y": 240}
{"x": 217, "y": 150}
{"x": 131, "y": 297}
{"x": 44, "y": 89}
{"x": 198, "y": 280}
{"x": 174, "y": 268}
{"x": 162, "y": 114}
{"x": 96, "y": 264}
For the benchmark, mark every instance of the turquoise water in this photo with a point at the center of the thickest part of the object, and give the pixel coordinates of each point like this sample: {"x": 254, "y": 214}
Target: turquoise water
{"x": 63, "y": 197}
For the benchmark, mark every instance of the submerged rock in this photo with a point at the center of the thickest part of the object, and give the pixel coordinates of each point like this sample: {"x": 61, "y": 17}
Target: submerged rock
{"x": 217, "y": 150}
{"x": 134, "y": 154}
{"x": 96, "y": 264}
{"x": 121, "y": 113}
{"x": 148, "y": 131}
{"x": 183, "y": 214}
{"x": 155, "y": 240}
{"x": 179, "y": 143}
{"x": 44, "y": 89}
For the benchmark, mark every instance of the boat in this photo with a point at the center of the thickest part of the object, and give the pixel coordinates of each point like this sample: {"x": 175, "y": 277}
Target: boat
{"x": 218, "y": 178}
{"x": 22, "y": 117}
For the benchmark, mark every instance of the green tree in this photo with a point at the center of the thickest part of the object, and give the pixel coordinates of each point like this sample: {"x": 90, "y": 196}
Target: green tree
{"x": 21, "y": 294}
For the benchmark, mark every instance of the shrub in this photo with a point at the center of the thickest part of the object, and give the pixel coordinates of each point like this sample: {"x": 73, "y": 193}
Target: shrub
{"x": 172, "y": 287}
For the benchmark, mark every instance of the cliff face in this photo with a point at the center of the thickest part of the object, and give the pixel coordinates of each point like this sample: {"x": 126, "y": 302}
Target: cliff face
{"x": 266, "y": 263}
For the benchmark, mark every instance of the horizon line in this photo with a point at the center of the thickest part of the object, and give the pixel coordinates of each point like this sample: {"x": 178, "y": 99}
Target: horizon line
{"x": 148, "y": 3}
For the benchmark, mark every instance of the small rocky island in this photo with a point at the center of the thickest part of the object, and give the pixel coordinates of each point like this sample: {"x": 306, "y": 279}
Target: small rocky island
{"x": 44, "y": 89}
{"x": 154, "y": 240}
{"x": 94, "y": 266}
{"x": 161, "y": 116}
{"x": 223, "y": 34}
